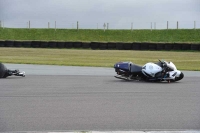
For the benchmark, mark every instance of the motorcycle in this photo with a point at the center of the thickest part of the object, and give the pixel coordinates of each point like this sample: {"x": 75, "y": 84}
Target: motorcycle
{"x": 160, "y": 71}
{"x": 4, "y": 72}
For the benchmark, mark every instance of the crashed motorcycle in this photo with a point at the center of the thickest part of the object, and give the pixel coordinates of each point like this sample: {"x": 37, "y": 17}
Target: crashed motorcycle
{"x": 4, "y": 72}
{"x": 159, "y": 71}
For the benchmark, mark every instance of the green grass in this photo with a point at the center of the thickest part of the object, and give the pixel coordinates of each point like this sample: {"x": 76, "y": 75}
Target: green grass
{"x": 181, "y": 35}
{"x": 100, "y": 58}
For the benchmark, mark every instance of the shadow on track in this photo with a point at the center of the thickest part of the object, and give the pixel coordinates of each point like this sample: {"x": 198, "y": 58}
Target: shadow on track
{"x": 146, "y": 82}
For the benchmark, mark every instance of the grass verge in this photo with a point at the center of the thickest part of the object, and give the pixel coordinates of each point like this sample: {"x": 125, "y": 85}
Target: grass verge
{"x": 180, "y": 35}
{"x": 97, "y": 58}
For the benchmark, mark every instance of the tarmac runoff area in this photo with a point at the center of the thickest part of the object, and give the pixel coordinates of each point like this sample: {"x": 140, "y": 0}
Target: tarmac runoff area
{"x": 50, "y": 99}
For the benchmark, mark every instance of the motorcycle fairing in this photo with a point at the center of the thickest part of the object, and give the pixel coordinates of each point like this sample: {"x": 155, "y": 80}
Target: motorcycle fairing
{"x": 151, "y": 69}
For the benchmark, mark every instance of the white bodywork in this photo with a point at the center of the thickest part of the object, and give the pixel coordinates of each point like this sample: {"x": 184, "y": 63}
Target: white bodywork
{"x": 171, "y": 73}
{"x": 151, "y": 69}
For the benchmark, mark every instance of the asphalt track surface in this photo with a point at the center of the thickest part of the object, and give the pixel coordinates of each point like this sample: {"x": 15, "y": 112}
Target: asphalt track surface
{"x": 58, "y": 98}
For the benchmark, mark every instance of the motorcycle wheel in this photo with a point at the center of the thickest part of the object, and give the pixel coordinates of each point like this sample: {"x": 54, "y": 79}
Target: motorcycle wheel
{"x": 3, "y": 71}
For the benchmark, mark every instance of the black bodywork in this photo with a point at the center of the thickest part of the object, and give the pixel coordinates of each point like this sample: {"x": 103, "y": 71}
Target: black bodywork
{"x": 128, "y": 70}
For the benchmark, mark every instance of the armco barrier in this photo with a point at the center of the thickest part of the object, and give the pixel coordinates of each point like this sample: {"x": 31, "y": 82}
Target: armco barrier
{"x": 136, "y": 46}
{"x": 128, "y": 46}
{"x": 119, "y": 46}
{"x": 111, "y": 45}
{"x": 86, "y": 45}
{"x": 194, "y": 47}
{"x": 35, "y": 44}
{"x": 103, "y": 45}
{"x": 2, "y": 43}
{"x": 26, "y": 44}
{"x": 77, "y": 44}
{"x": 9, "y": 43}
{"x": 160, "y": 46}
{"x": 94, "y": 45}
{"x": 60, "y": 44}
{"x": 44, "y": 44}
{"x": 69, "y": 44}
{"x": 17, "y": 43}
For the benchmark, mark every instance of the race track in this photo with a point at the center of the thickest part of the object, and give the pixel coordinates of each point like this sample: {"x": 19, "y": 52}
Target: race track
{"x": 58, "y": 98}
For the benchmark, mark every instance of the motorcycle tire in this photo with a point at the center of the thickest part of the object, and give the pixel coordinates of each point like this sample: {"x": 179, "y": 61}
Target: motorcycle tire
{"x": 3, "y": 71}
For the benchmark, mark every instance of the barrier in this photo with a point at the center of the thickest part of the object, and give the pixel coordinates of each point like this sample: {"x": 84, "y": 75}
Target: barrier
{"x": 144, "y": 46}
{"x": 44, "y": 44}
{"x": 160, "y": 46}
{"x": 9, "y": 43}
{"x": 111, "y": 45}
{"x": 60, "y": 44}
{"x": 94, "y": 45}
{"x": 52, "y": 44}
{"x": 168, "y": 46}
{"x": 152, "y": 46}
{"x": 2, "y": 43}
{"x": 119, "y": 46}
{"x": 186, "y": 46}
{"x": 77, "y": 44}
{"x": 69, "y": 44}
{"x": 26, "y": 44}
{"x": 128, "y": 46}
{"x": 102, "y": 45}
{"x": 35, "y": 44}
{"x": 177, "y": 46}
{"x": 194, "y": 47}
{"x": 17, "y": 44}
{"x": 136, "y": 46}
{"x": 85, "y": 45}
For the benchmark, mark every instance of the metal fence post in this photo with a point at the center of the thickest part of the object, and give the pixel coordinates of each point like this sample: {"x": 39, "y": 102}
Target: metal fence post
{"x": 55, "y": 25}
{"x": 177, "y": 24}
{"x": 131, "y": 27}
{"x": 104, "y": 26}
{"x": 153, "y": 25}
{"x": 77, "y": 26}
{"x": 167, "y": 25}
